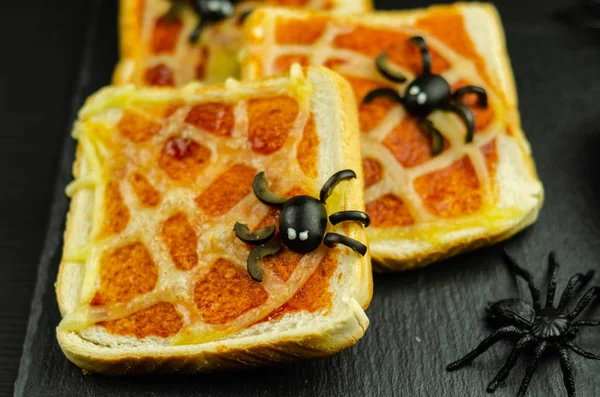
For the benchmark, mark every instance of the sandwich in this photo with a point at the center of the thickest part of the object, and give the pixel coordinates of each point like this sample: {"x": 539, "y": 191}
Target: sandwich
{"x": 153, "y": 278}
{"x": 447, "y": 166}
{"x": 166, "y": 43}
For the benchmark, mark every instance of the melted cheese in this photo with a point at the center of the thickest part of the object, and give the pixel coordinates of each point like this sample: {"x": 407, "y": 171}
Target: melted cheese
{"x": 159, "y": 253}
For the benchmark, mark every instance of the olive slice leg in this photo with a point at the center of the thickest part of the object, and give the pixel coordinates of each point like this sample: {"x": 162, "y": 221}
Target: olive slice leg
{"x": 259, "y": 237}
{"x": 386, "y": 93}
{"x": 437, "y": 139}
{"x": 332, "y": 182}
{"x": 344, "y": 216}
{"x": 383, "y": 66}
{"x": 243, "y": 16}
{"x": 253, "y": 262}
{"x": 466, "y": 116}
{"x": 260, "y": 186}
{"x": 482, "y": 98}
{"x": 195, "y": 35}
{"x": 333, "y": 239}
{"x": 174, "y": 10}
{"x": 425, "y": 54}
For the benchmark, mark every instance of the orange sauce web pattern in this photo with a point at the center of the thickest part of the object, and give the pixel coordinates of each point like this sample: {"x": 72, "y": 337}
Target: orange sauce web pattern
{"x": 178, "y": 177}
{"x": 404, "y": 185}
{"x": 125, "y": 272}
{"x": 161, "y": 320}
{"x": 226, "y": 279}
{"x": 163, "y": 55}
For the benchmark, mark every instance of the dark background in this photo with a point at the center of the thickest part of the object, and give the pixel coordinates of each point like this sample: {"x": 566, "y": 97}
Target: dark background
{"x": 56, "y": 53}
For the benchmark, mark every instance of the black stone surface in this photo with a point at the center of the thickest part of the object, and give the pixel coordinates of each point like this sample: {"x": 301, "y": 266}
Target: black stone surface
{"x": 420, "y": 320}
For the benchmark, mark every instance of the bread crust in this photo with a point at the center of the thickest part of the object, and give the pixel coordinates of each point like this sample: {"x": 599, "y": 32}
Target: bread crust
{"x": 316, "y": 343}
{"x": 130, "y": 35}
{"x": 326, "y": 336}
{"x": 396, "y": 255}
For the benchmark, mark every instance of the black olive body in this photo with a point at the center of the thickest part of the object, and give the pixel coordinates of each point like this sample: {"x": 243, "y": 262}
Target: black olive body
{"x": 426, "y": 94}
{"x": 302, "y": 223}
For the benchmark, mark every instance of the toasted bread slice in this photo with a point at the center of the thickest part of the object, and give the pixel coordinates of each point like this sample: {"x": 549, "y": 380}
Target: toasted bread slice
{"x": 424, "y": 208}
{"x": 152, "y": 277}
{"x": 156, "y": 51}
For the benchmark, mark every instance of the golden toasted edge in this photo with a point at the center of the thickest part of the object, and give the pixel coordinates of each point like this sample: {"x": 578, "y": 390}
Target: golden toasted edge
{"x": 291, "y": 347}
{"x": 344, "y": 331}
{"x": 130, "y": 34}
{"x": 60, "y": 285}
{"x": 355, "y": 196}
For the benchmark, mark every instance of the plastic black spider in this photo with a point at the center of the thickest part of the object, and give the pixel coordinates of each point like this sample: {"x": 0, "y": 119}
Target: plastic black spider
{"x": 428, "y": 92}
{"x": 208, "y": 11}
{"x": 542, "y": 328}
{"x": 302, "y": 223}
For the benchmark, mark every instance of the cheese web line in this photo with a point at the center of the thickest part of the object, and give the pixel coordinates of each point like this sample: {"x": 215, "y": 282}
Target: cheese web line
{"x": 396, "y": 179}
{"x": 216, "y": 239}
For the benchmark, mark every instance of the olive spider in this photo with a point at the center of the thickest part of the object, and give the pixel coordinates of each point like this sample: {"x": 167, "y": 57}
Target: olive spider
{"x": 428, "y": 92}
{"x": 302, "y": 223}
{"x": 535, "y": 327}
{"x": 208, "y": 11}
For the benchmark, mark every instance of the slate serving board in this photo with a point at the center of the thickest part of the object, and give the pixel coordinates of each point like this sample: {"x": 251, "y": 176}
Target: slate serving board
{"x": 420, "y": 320}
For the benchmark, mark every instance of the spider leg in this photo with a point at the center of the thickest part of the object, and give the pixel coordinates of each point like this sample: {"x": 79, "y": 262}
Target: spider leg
{"x": 552, "y": 283}
{"x": 343, "y": 175}
{"x": 581, "y": 352}
{"x": 174, "y": 10}
{"x": 584, "y": 323}
{"x": 567, "y": 370}
{"x": 437, "y": 139}
{"x": 195, "y": 35}
{"x": 531, "y": 368}
{"x": 243, "y": 16}
{"x": 253, "y": 261}
{"x": 260, "y": 187}
{"x": 519, "y": 271}
{"x": 482, "y": 98}
{"x": 344, "y": 216}
{"x": 568, "y": 292}
{"x": 425, "y": 54}
{"x": 259, "y": 237}
{"x": 584, "y": 301}
{"x": 466, "y": 115}
{"x": 333, "y": 239}
{"x": 510, "y": 362}
{"x": 383, "y": 67}
{"x": 493, "y": 338}
{"x": 382, "y": 92}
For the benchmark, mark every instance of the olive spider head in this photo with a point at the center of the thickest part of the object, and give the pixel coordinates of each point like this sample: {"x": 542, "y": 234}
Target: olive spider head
{"x": 511, "y": 312}
{"x": 302, "y": 222}
{"x": 426, "y": 94}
